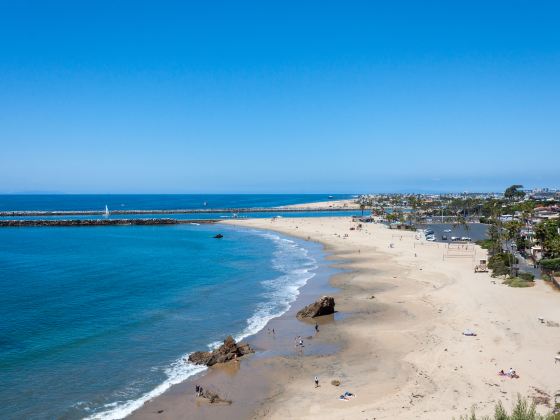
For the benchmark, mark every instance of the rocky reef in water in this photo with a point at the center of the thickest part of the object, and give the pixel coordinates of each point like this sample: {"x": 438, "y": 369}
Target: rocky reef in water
{"x": 228, "y": 351}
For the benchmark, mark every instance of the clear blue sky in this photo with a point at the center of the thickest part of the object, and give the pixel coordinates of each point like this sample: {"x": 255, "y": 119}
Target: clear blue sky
{"x": 264, "y": 96}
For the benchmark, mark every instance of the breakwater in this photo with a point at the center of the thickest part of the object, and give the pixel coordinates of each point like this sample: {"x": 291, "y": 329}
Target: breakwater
{"x": 176, "y": 211}
{"x": 101, "y": 222}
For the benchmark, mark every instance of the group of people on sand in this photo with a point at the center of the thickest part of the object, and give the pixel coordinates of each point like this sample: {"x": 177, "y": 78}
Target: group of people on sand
{"x": 510, "y": 373}
{"x": 298, "y": 341}
{"x": 346, "y": 396}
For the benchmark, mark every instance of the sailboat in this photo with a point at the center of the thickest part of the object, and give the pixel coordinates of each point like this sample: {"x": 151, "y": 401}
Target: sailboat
{"x": 106, "y": 213}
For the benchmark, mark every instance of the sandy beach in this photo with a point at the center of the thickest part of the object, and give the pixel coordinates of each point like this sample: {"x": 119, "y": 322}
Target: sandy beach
{"x": 398, "y": 337}
{"x": 335, "y": 204}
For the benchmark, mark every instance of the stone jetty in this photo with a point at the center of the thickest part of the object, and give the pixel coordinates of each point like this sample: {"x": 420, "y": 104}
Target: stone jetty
{"x": 99, "y": 222}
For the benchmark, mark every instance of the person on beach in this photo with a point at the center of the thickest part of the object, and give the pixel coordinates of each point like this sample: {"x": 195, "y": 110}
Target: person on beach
{"x": 301, "y": 342}
{"x": 316, "y": 382}
{"x": 316, "y": 327}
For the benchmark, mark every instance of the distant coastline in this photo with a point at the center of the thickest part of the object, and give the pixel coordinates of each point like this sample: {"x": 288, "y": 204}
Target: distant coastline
{"x": 170, "y": 211}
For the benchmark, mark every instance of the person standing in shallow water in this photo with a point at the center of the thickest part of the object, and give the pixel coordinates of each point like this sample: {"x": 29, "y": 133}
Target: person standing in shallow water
{"x": 316, "y": 327}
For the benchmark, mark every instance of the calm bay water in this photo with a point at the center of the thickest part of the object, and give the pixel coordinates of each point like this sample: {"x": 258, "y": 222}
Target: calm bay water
{"x": 93, "y": 321}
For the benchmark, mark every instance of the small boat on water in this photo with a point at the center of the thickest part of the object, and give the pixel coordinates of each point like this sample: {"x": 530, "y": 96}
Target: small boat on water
{"x": 430, "y": 238}
{"x": 330, "y": 196}
{"x": 195, "y": 224}
{"x": 447, "y": 230}
{"x": 428, "y": 232}
{"x": 218, "y": 236}
{"x": 455, "y": 238}
{"x": 466, "y": 238}
{"x": 444, "y": 237}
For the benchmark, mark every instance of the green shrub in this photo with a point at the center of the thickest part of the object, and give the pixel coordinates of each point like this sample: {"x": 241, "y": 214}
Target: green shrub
{"x": 526, "y": 276}
{"x": 518, "y": 282}
{"x": 522, "y": 410}
{"x": 499, "y": 264}
{"x": 486, "y": 243}
{"x": 552, "y": 264}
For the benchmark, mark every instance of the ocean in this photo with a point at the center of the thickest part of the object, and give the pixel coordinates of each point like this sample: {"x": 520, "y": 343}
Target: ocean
{"x": 95, "y": 321}
{"x": 51, "y": 202}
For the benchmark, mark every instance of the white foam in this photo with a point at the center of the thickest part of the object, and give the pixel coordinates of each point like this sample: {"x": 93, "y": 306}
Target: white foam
{"x": 297, "y": 268}
{"x": 176, "y": 373}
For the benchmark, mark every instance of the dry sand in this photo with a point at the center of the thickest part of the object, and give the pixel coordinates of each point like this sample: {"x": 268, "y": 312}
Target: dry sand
{"x": 398, "y": 334}
{"x": 335, "y": 204}
{"x": 404, "y": 354}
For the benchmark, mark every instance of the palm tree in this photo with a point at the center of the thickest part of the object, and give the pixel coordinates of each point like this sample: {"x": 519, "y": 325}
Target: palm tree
{"x": 461, "y": 221}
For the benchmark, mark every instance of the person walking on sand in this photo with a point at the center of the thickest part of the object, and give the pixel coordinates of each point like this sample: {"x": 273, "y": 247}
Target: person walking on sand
{"x": 316, "y": 327}
{"x": 316, "y": 382}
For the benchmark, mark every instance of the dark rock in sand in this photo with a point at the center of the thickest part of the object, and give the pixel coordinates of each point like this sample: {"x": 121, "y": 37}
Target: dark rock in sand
{"x": 228, "y": 351}
{"x": 213, "y": 398}
{"x": 324, "y": 306}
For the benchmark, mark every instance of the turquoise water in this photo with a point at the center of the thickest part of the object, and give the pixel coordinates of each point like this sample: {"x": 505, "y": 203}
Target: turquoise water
{"x": 94, "y": 321}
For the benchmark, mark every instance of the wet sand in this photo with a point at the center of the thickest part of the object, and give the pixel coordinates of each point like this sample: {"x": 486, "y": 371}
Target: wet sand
{"x": 398, "y": 337}
{"x": 253, "y": 381}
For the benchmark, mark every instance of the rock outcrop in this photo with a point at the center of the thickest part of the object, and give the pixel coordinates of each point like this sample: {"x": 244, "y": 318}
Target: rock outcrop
{"x": 213, "y": 398}
{"x": 324, "y": 306}
{"x": 230, "y": 350}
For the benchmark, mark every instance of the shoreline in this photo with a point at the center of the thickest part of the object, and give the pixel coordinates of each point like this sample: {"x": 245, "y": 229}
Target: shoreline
{"x": 250, "y": 373}
{"x": 402, "y": 352}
